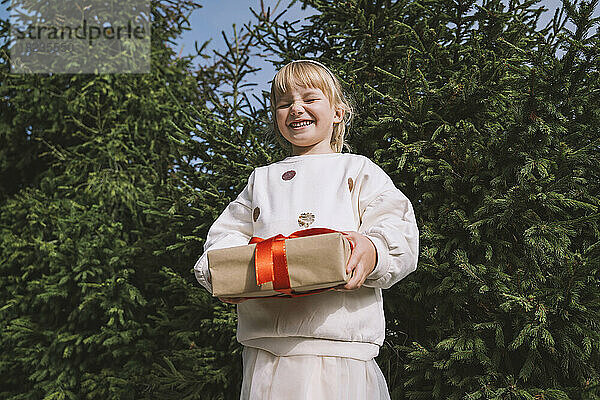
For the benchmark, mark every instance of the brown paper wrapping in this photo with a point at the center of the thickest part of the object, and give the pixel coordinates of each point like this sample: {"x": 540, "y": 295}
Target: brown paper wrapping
{"x": 314, "y": 262}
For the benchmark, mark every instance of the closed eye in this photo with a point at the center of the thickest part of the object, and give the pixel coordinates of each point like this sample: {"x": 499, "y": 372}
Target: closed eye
{"x": 285, "y": 105}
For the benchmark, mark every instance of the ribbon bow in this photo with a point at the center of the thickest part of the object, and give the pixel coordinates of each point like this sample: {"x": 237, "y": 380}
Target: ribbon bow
{"x": 270, "y": 260}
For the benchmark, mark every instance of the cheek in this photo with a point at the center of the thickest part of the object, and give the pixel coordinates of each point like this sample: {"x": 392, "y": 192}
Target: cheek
{"x": 280, "y": 118}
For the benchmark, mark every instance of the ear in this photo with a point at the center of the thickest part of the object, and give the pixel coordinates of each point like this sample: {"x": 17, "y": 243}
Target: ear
{"x": 339, "y": 115}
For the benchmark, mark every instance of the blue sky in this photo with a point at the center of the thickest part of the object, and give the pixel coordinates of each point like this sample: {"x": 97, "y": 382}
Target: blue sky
{"x": 219, "y": 15}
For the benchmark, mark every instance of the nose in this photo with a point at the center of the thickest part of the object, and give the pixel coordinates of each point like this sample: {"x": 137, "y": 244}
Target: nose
{"x": 296, "y": 109}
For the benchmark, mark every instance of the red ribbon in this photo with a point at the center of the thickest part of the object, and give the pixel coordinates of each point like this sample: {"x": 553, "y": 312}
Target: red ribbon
{"x": 270, "y": 260}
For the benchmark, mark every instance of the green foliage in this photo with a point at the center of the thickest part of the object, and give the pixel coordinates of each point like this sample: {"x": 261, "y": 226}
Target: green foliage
{"x": 222, "y": 142}
{"x": 489, "y": 124}
{"x": 91, "y": 305}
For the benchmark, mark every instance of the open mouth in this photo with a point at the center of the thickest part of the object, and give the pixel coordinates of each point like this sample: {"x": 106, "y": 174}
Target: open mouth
{"x": 301, "y": 124}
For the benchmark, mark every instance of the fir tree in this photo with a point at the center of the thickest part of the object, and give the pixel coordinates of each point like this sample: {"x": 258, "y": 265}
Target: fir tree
{"x": 225, "y": 141}
{"x": 489, "y": 125}
{"x": 85, "y": 302}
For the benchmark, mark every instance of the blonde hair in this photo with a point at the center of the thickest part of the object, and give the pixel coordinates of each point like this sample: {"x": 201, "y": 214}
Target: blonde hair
{"x": 312, "y": 74}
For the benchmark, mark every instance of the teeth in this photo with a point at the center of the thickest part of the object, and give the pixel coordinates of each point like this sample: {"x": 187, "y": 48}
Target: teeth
{"x": 299, "y": 124}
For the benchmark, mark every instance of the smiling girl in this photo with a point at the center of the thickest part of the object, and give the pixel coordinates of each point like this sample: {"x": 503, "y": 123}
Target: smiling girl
{"x": 320, "y": 346}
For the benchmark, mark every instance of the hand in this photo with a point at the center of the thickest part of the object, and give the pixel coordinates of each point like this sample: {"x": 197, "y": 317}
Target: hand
{"x": 232, "y": 300}
{"x": 362, "y": 260}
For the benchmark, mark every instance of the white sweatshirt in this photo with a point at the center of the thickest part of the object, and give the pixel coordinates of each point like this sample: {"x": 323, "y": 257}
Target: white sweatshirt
{"x": 341, "y": 191}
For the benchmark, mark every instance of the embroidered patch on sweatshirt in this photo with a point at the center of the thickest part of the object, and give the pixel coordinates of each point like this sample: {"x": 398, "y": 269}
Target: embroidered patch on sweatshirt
{"x": 305, "y": 219}
{"x": 256, "y": 213}
{"x": 287, "y": 175}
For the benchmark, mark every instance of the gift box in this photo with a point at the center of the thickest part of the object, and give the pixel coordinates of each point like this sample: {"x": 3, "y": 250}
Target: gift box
{"x": 299, "y": 264}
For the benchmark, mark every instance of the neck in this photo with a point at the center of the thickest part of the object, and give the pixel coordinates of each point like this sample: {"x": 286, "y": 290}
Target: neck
{"x": 300, "y": 151}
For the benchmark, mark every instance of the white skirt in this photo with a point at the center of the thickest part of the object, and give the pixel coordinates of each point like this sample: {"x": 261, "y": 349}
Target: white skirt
{"x": 302, "y": 377}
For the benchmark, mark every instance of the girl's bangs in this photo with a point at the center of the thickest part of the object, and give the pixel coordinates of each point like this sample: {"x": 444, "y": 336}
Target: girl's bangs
{"x": 303, "y": 75}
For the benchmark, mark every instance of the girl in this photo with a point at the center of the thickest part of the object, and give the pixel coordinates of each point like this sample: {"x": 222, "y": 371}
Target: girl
{"x": 320, "y": 346}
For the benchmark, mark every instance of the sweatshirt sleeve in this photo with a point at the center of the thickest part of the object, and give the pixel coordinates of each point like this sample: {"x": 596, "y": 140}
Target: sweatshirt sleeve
{"x": 232, "y": 228}
{"x": 388, "y": 220}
